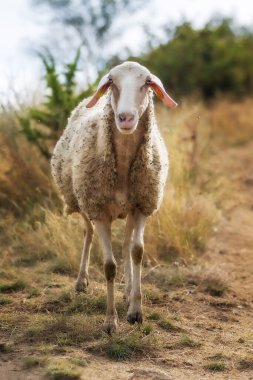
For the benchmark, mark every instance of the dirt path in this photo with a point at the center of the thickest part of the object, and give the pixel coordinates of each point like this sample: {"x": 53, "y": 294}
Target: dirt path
{"x": 223, "y": 324}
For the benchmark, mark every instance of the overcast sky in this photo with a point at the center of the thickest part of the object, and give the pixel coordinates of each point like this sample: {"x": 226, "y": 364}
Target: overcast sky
{"x": 19, "y": 30}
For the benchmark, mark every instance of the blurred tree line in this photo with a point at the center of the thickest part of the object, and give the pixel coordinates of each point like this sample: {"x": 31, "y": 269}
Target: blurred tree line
{"x": 212, "y": 61}
{"x": 93, "y": 24}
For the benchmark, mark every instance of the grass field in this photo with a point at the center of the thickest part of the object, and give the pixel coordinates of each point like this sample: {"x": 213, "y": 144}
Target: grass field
{"x": 196, "y": 278}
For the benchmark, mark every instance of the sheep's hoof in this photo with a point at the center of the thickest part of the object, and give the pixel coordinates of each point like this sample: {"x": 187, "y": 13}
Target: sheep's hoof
{"x": 134, "y": 317}
{"x": 81, "y": 286}
{"x": 110, "y": 325}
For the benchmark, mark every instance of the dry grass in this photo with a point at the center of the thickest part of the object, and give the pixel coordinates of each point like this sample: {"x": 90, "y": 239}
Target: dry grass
{"x": 41, "y": 247}
{"x": 180, "y": 228}
{"x": 215, "y": 284}
{"x": 246, "y": 363}
{"x": 231, "y": 122}
{"x": 70, "y": 302}
{"x": 187, "y": 215}
{"x": 62, "y": 330}
{"x": 182, "y": 225}
{"x": 24, "y": 174}
{"x": 12, "y": 286}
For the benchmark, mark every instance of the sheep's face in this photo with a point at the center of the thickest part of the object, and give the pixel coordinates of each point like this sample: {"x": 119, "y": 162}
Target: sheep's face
{"x": 129, "y": 97}
{"x": 130, "y": 85}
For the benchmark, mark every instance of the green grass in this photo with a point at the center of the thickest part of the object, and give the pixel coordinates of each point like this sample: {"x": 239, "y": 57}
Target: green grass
{"x": 34, "y": 361}
{"x": 188, "y": 341}
{"x": 146, "y": 328}
{"x": 154, "y": 316}
{"x": 152, "y": 295}
{"x": 5, "y": 348}
{"x": 61, "y": 266}
{"x": 216, "y": 366}
{"x": 120, "y": 350}
{"x": 185, "y": 341}
{"x": 31, "y": 256}
{"x": 27, "y": 261}
{"x": 63, "y": 370}
{"x": 167, "y": 325}
{"x": 81, "y": 362}
{"x": 5, "y": 301}
{"x": 122, "y": 347}
{"x": 14, "y": 286}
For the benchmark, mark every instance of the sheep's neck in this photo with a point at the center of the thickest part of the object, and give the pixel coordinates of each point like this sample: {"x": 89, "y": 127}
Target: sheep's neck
{"x": 126, "y": 147}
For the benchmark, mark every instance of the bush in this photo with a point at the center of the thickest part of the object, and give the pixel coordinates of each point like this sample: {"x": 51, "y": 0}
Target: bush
{"x": 43, "y": 125}
{"x": 208, "y": 61}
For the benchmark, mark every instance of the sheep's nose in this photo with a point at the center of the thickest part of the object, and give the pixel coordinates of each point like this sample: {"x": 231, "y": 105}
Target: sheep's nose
{"x": 125, "y": 117}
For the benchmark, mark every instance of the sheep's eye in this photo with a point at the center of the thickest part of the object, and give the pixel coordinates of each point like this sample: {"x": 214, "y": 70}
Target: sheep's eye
{"x": 143, "y": 87}
{"x": 110, "y": 80}
{"x": 147, "y": 83}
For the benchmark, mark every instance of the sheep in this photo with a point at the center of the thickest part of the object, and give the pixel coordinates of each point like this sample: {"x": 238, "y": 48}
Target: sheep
{"x": 111, "y": 162}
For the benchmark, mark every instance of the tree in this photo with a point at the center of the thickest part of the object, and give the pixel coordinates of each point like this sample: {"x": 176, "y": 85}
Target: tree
{"x": 215, "y": 59}
{"x": 89, "y": 23}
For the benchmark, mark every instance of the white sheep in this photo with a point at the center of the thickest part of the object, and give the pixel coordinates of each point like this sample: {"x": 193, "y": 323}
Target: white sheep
{"x": 110, "y": 163}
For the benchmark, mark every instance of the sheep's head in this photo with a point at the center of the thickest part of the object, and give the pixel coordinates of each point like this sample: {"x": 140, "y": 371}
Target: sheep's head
{"x": 130, "y": 85}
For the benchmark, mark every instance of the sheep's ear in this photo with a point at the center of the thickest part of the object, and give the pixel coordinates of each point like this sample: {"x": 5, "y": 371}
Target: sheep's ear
{"x": 103, "y": 86}
{"x": 158, "y": 88}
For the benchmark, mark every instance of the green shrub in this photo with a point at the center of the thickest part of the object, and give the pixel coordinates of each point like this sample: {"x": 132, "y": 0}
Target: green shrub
{"x": 218, "y": 56}
{"x": 43, "y": 125}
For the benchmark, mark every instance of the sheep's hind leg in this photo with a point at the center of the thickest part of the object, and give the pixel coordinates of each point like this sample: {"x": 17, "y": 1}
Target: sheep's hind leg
{"x": 126, "y": 250}
{"x": 134, "y": 313}
{"x": 104, "y": 232}
{"x": 83, "y": 278}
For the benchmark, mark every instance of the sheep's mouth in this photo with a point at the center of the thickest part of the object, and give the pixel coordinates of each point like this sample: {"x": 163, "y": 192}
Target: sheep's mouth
{"x": 127, "y": 130}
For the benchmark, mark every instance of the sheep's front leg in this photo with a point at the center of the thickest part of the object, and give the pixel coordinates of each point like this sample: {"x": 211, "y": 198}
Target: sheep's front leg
{"x": 127, "y": 256}
{"x": 134, "y": 313}
{"x": 104, "y": 232}
{"x": 83, "y": 279}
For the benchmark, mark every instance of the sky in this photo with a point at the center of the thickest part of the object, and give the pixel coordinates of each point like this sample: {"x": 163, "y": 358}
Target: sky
{"x": 21, "y": 32}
